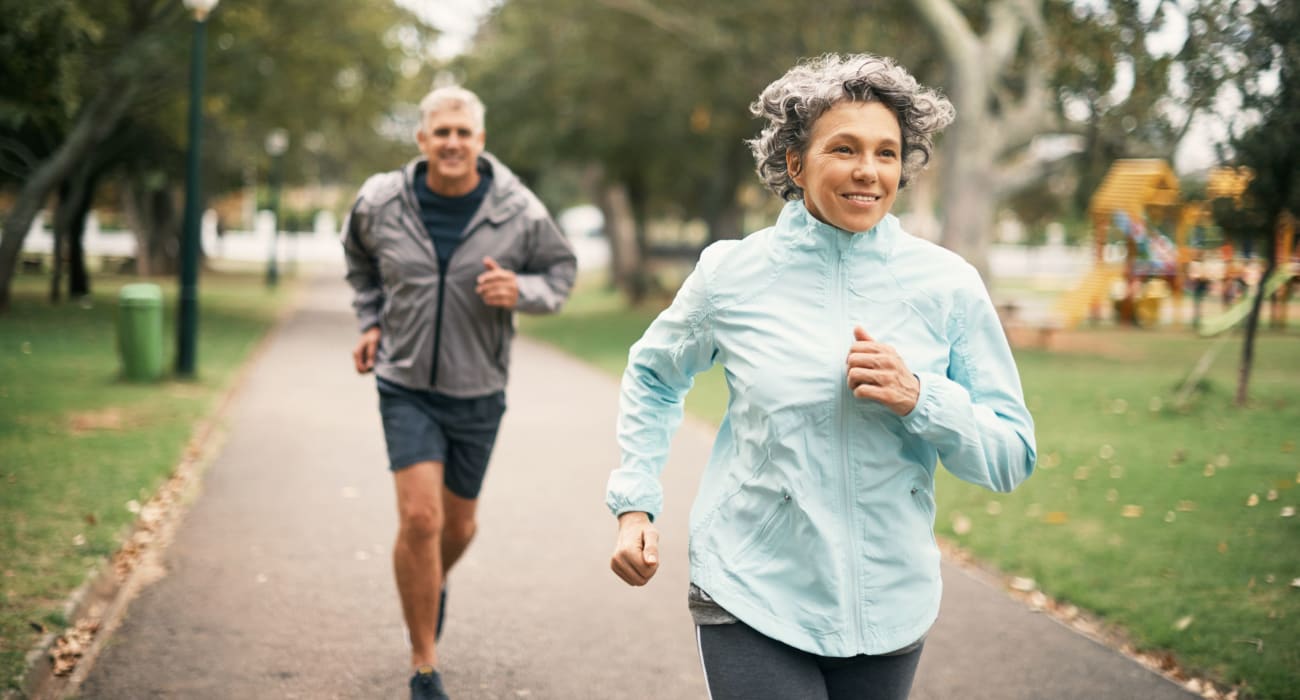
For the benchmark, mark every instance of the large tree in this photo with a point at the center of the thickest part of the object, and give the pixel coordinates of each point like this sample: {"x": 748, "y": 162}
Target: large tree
{"x": 1018, "y": 70}
{"x": 101, "y": 85}
{"x": 1269, "y": 40}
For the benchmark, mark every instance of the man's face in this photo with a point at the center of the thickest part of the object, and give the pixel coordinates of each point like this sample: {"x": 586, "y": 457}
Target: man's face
{"x": 452, "y": 142}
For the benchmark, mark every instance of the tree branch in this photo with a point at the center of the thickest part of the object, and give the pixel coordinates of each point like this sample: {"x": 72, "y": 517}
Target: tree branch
{"x": 16, "y": 158}
{"x": 688, "y": 30}
{"x": 1012, "y": 177}
{"x": 950, "y": 28}
{"x": 1003, "y": 35}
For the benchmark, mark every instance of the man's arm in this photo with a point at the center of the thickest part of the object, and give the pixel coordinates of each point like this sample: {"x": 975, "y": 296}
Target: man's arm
{"x": 362, "y": 269}
{"x": 546, "y": 279}
{"x": 368, "y": 297}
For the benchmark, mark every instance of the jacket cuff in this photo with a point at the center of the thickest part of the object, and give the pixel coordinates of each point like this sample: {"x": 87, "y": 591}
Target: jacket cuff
{"x": 634, "y": 492}
{"x": 922, "y": 415}
{"x": 367, "y": 320}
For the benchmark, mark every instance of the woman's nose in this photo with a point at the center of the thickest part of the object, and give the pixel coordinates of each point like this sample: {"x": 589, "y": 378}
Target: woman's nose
{"x": 865, "y": 170}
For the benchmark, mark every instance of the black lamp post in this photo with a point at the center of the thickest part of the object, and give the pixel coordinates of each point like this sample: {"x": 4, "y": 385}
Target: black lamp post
{"x": 188, "y": 310}
{"x": 277, "y": 142}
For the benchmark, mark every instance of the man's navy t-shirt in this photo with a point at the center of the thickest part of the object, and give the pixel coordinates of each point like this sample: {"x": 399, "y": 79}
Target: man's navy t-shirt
{"x": 445, "y": 218}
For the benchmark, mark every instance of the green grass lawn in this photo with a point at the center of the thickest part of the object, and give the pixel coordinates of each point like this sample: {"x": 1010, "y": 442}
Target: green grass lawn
{"x": 78, "y": 443}
{"x": 1166, "y": 522}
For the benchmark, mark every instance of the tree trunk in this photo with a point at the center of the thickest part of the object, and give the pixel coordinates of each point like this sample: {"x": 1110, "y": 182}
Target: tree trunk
{"x": 969, "y": 201}
{"x": 78, "y": 275}
{"x": 69, "y": 228}
{"x": 1252, "y": 326}
{"x": 620, "y": 230}
{"x": 59, "y": 232}
{"x": 95, "y": 122}
{"x": 151, "y": 214}
{"x": 133, "y": 211}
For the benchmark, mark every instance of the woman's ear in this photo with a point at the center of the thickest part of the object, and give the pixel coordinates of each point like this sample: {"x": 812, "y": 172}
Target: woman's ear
{"x": 794, "y": 166}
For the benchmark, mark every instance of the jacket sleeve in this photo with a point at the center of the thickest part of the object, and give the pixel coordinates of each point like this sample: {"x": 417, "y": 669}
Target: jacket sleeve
{"x": 547, "y": 277}
{"x": 661, "y": 368}
{"x": 362, "y": 270}
{"x": 976, "y": 416}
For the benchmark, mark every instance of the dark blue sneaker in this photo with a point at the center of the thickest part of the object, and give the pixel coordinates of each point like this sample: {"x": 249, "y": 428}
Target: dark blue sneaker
{"x": 426, "y": 684}
{"x": 442, "y": 612}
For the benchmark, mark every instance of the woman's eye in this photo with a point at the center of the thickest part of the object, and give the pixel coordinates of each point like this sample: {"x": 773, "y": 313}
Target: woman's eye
{"x": 888, "y": 153}
{"x": 842, "y": 149}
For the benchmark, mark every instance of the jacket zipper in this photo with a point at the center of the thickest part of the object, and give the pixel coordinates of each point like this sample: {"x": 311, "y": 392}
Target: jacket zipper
{"x": 838, "y": 285}
{"x": 437, "y": 319}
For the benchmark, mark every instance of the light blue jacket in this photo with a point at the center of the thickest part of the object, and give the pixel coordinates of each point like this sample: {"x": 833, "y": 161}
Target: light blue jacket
{"x": 814, "y": 521}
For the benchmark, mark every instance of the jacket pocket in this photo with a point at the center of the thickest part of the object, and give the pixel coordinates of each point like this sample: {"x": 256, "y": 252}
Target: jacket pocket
{"x": 764, "y": 529}
{"x": 923, "y": 498}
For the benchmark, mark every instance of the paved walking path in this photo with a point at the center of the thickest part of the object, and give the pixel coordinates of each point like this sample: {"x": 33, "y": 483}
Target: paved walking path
{"x": 279, "y": 580}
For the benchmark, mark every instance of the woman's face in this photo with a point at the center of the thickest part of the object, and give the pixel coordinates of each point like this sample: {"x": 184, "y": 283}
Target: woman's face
{"x": 853, "y": 163}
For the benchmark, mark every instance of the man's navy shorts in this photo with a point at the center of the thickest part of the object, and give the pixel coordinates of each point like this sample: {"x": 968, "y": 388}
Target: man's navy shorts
{"x": 424, "y": 426}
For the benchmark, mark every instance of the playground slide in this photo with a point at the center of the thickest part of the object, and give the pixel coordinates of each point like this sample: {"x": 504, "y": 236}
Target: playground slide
{"x": 1093, "y": 289}
{"x": 1239, "y": 311}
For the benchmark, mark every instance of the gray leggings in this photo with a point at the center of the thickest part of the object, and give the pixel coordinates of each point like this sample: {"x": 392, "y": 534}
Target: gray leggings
{"x": 742, "y": 664}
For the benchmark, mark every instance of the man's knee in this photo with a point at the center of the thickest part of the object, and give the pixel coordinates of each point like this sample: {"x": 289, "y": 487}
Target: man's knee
{"x": 422, "y": 522}
{"x": 461, "y": 530}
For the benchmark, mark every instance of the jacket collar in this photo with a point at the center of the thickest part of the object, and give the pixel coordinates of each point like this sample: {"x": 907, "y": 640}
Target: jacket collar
{"x": 799, "y": 229}
{"x": 502, "y": 201}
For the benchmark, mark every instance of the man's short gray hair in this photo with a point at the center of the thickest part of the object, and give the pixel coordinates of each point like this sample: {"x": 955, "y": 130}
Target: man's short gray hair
{"x": 796, "y": 100}
{"x": 452, "y": 97}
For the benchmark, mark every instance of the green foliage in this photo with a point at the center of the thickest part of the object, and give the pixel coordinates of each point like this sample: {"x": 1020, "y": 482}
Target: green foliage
{"x": 1270, "y": 147}
{"x": 1110, "y": 438}
{"x": 330, "y": 73}
{"x": 657, "y": 94}
{"x": 79, "y": 444}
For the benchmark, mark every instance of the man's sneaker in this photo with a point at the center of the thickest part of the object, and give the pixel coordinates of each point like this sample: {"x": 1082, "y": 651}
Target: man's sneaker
{"x": 442, "y": 612}
{"x": 426, "y": 684}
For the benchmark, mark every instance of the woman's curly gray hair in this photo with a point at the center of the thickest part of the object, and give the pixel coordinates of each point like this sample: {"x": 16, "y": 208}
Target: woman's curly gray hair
{"x": 794, "y": 102}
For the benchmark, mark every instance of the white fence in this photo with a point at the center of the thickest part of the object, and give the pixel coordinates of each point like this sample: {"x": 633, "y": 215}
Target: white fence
{"x": 320, "y": 244}
{"x": 1056, "y": 262}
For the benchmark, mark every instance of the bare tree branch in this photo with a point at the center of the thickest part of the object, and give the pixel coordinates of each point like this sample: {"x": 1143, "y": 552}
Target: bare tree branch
{"x": 1003, "y": 35}
{"x": 1010, "y": 178}
{"x": 16, "y": 159}
{"x": 689, "y": 30}
{"x": 950, "y": 28}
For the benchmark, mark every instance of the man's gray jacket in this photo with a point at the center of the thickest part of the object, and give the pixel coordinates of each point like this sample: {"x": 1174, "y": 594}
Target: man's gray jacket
{"x": 436, "y": 333}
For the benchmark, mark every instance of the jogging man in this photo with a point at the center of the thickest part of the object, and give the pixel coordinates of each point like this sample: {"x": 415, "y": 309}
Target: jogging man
{"x": 441, "y": 253}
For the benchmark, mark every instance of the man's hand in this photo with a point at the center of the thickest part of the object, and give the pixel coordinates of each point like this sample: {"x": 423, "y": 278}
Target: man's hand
{"x": 636, "y": 552}
{"x": 497, "y": 286}
{"x": 363, "y": 355}
{"x": 876, "y": 372}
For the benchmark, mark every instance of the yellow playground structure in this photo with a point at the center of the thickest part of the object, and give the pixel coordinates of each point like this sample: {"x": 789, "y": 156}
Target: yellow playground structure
{"x": 1136, "y": 203}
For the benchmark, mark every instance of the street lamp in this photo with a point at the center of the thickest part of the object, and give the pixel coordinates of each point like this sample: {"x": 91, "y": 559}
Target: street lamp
{"x": 277, "y": 142}
{"x": 188, "y": 309}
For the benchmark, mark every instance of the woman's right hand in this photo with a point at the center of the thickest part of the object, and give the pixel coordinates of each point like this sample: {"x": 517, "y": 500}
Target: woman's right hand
{"x": 636, "y": 551}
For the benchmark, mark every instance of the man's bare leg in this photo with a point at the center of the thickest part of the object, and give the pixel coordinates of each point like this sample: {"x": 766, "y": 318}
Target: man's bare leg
{"x": 417, "y": 555}
{"x": 459, "y": 527}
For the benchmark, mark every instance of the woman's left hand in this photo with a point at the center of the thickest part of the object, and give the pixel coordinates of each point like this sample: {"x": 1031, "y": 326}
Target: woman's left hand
{"x": 877, "y": 372}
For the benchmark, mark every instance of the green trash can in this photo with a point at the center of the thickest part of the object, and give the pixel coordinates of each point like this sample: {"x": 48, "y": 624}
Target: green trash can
{"x": 140, "y": 332}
